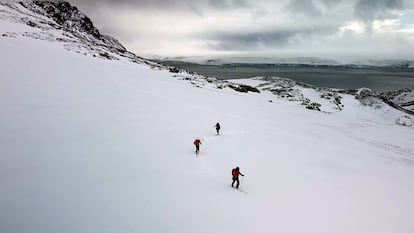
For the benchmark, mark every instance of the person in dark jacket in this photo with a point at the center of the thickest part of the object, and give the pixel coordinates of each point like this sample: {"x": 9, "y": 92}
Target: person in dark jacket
{"x": 217, "y": 128}
{"x": 236, "y": 172}
{"x": 197, "y": 144}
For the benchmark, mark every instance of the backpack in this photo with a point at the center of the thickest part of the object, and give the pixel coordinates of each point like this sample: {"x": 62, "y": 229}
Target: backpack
{"x": 234, "y": 172}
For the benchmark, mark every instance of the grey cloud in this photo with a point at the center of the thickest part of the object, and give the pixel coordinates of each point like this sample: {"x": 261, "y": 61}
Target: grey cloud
{"x": 303, "y": 7}
{"x": 331, "y": 3}
{"x": 160, "y": 5}
{"x": 130, "y": 3}
{"x": 315, "y": 8}
{"x": 238, "y": 41}
{"x": 368, "y": 10}
{"x": 195, "y": 6}
{"x": 248, "y": 41}
{"x": 227, "y": 4}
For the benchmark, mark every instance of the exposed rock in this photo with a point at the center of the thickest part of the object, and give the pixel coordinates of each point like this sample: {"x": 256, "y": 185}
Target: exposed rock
{"x": 174, "y": 70}
{"x": 314, "y": 106}
{"x": 363, "y": 93}
{"x": 407, "y": 104}
{"x": 333, "y": 97}
{"x": 31, "y": 24}
{"x": 348, "y": 92}
{"x": 311, "y": 105}
{"x": 108, "y": 56}
{"x": 211, "y": 79}
{"x": 70, "y": 18}
{"x": 244, "y": 88}
{"x": 402, "y": 98}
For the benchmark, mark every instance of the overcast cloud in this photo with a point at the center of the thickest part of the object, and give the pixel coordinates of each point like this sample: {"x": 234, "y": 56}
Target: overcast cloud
{"x": 303, "y": 27}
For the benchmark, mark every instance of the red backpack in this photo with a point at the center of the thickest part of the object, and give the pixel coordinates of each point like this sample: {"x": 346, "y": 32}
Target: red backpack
{"x": 234, "y": 172}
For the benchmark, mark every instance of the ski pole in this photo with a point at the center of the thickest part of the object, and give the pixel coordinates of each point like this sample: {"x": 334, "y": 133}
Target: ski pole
{"x": 241, "y": 185}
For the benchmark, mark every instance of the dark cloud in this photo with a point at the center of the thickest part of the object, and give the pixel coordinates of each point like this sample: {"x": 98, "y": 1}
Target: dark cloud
{"x": 331, "y": 3}
{"x": 227, "y": 4}
{"x": 160, "y": 5}
{"x": 369, "y": 10}
{"x": 131, "y": 3}
{"x": 246, "y": 41}
{"x": 195, "y": 6}
{"x": 303, "y": 7}
{"x": 249, "y": 41}
{"x": 316, "y": 8}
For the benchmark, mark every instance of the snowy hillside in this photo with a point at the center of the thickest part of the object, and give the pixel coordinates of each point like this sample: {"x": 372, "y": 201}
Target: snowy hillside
{"x": 104, "y": 143}
{"x": 60, "y": 22}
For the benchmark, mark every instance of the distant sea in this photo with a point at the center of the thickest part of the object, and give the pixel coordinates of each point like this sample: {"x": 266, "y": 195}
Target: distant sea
{"x": 344, "y": 77}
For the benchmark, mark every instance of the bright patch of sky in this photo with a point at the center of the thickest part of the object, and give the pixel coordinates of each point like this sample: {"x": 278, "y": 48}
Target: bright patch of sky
{"x": 408, "y": 18}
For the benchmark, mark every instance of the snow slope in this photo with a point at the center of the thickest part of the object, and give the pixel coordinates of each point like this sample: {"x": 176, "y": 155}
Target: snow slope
{"x": 94, "y": 145}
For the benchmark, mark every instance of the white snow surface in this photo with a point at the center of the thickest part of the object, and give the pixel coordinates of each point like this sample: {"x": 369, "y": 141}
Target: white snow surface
{"x": 92, "y": 145}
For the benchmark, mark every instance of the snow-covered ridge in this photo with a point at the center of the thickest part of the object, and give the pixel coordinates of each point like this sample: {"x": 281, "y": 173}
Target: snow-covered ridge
{"x": 59, "y": 21}
{"x": 403, "y": 99}
{"x": 71, "y": 19}
{"x": 394, "y": 106}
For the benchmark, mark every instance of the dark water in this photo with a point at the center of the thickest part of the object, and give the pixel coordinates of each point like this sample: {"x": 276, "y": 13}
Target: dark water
{"x": 375, "y": 78}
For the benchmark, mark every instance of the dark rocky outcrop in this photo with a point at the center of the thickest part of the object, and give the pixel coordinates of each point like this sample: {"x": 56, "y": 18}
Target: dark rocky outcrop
{"x": 314, "y": 106}
{"x": 174, "y": 70}
{"x": 311, "y": 105}
{"x": 395, "y": 99}
{"x": 244, "y": 88}
{"x": 69, "y": 18}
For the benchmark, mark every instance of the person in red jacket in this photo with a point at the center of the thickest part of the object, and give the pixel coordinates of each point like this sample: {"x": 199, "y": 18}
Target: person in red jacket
{"x": 236, "y": 172}
{"x": 197, "y": 144}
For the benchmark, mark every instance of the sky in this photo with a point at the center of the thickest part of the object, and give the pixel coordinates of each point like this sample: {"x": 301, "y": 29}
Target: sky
{"x": 320, "y": 28}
